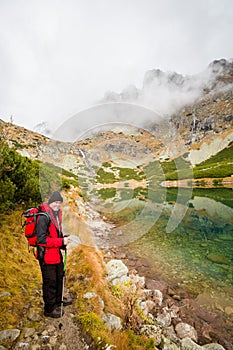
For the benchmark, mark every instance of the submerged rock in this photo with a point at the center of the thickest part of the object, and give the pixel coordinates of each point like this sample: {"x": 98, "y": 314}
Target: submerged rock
{"x": 218, "y": 258}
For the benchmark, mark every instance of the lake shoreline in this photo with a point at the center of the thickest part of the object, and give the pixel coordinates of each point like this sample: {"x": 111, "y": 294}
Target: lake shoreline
{"x": 214, "y": 183}
{"x": 211, "y": 326}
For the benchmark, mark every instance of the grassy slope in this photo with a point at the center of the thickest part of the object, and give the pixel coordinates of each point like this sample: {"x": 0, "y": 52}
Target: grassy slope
{"x": 19, "y": 272}
{"x": 218, "y": 166}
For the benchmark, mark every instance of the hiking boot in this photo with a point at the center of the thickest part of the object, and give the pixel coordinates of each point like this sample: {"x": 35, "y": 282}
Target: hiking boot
{"x": 56, "y": 313}
{"x": 67, "y": 301}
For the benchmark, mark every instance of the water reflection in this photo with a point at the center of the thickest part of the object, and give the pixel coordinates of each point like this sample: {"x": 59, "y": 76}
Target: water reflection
{"x": 198, "y": 254}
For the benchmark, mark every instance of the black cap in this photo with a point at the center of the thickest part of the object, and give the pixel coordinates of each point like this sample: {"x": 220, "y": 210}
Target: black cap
{"x": 55, "y": 196}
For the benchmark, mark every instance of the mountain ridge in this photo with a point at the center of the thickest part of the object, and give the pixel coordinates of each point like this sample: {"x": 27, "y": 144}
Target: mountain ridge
{"x": 168, "y": 92}
{"x": 201, "y": 129}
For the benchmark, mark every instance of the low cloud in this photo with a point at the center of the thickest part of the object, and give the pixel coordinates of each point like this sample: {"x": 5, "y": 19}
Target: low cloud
{"x": 168, "y": 92}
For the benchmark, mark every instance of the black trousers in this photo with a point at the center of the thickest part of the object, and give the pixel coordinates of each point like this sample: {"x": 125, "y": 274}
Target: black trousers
{"x": 52, "y": 285}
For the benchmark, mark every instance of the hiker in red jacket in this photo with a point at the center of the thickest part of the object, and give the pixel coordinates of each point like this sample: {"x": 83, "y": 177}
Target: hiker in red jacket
{"x": 50, "y": 243}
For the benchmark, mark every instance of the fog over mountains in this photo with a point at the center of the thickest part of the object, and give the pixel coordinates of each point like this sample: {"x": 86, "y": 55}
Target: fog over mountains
{"x": 161, "y": 95}
{"x": 167, "y": 92}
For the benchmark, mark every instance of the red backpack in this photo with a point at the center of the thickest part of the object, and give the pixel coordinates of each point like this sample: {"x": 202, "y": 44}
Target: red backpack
{"x": 31, "y": 216}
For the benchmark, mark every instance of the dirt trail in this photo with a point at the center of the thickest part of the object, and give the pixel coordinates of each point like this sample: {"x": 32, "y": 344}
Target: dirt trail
{"x": 66, "y": 331}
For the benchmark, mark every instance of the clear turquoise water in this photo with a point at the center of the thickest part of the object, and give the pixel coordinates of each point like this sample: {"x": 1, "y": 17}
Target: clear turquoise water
{"x": 197, "y": 253}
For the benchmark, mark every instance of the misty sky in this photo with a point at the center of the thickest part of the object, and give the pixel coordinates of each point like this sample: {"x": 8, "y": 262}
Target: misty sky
{"x": 59, "y": 57}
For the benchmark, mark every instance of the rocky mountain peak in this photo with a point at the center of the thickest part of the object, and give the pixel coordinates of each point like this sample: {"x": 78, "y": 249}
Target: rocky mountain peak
{"x": 221, "y": 67}
{"x": 168, "y": 92}
{"x": 158, "y": 77}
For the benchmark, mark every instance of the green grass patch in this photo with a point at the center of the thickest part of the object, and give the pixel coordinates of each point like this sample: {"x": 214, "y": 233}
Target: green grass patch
{"x": 105, "y": 177}
{"x": 106, "y": 193}
{"x": 218, "y": 166}
{"x": 128, "y": 173}
{"x": 214, "y": 170}
{"x": 117, "y": 174}
{"x": 223, "y": 156}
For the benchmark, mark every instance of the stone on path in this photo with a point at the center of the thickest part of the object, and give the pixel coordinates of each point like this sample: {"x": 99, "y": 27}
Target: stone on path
{"x": 11, "y": 334}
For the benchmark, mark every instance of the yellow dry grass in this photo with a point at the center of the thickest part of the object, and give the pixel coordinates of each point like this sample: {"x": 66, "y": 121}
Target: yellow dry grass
{"x": 20, "y": 274}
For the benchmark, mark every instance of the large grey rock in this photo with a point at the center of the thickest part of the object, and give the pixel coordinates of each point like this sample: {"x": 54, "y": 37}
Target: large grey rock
{"x": 167, "y": 344}
{"x": 11, "y": 334}
{"x": 188, "y": 344}
{"x": 121, "y": 280}
{"x": 5, "y": 294}
{"x": 164, "y": 317}
{"x": 184, "y": 330}
{"x": 213, "y": 346}
{"x": 117, "y": 272}
{"x": 112, "y": 321}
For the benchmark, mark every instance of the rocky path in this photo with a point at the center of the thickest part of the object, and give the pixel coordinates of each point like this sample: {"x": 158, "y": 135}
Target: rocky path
{"x": 56, "y": 334}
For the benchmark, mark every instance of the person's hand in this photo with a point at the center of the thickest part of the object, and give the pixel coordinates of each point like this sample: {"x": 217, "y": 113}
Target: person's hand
{"x": 66, "y": 240}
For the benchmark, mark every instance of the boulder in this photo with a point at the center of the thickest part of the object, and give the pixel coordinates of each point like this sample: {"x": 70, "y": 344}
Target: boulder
{"x": 184, "y": 330}
{"x": 11, "y": 334}
{"x": 167, "y": 344}
{"x": 188, "y": 344}
{"x": 112, "y": 321}
{"x": 164, "y": 318}
{"x": 213, "y": 346}
{"x": 117, "y": 272}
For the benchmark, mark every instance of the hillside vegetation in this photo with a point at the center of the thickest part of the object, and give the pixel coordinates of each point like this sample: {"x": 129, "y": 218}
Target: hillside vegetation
{"x": 219, "y": 165}
{"x": 23, "y": 180}
{"x": 20, "y": 276}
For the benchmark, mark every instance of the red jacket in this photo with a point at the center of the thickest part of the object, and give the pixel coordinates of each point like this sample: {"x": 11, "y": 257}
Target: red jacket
{"x": 49, "y": 235}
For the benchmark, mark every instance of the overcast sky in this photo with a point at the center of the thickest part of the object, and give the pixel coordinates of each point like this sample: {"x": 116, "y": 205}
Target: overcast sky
{"x": 58, "y": 57}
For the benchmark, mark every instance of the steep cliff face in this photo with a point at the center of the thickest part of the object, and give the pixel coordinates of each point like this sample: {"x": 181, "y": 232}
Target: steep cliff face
{"x": 206, "y": 127}
{"x": 213, "y": 114}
